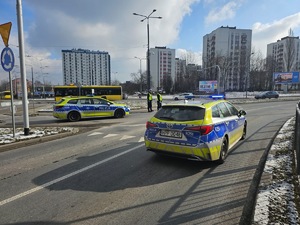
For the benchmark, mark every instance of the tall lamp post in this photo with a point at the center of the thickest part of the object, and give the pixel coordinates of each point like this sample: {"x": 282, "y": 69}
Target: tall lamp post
{"x": 43, "y": 75}
{"x": 148, "y": 51}
{"x": 141, "y": 77}
{"x": 44, "y": 94}
{"x": 248, "y": 73}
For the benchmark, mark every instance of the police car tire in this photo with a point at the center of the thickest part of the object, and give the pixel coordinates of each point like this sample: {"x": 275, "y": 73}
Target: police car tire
{"x": 119, "y": 113}
{"x": 74, "y": 116}
{"x": 224, "y": 149}
{"x": 244, "y": 131}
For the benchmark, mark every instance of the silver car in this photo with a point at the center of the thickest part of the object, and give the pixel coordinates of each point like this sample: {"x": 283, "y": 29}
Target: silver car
{"x": 267, "y": 94}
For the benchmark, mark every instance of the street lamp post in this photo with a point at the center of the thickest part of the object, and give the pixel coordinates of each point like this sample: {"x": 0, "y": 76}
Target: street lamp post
{"x": 247, "y": 76}
{"x": 44, "y": 94}
{"x": 141, "y": 77}
{"x": 148, "y": 45}
{"x": 43, "y": 75}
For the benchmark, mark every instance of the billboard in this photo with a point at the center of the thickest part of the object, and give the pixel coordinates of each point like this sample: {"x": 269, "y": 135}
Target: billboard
{"x": 286, "y": 78}
{"x": 208, "y": 86}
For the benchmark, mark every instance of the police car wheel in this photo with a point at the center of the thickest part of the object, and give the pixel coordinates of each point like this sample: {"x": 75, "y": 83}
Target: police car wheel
{"x": 74, "y": 116}
{"x": 119, "y": 113}
{"x": 244, "y": 132}
{"x": 223, "y": 153}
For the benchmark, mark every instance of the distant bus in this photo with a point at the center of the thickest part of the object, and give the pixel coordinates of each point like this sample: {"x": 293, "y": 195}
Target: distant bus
{"x": 109, "y": 92}
{"x": 5, "y": 95}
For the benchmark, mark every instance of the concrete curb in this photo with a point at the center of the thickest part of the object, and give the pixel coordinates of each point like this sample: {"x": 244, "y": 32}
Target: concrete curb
{"x": 37, "y": 140}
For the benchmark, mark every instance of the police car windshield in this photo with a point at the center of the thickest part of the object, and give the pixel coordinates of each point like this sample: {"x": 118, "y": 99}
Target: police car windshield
{"x": 180, "y": 113}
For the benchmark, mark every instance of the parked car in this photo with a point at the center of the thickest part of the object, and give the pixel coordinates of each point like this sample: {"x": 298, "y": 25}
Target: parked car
{"x": 197, "y": 131}
{"x": 183, "y": 96}
{"x": 76, "y": 108}
{"x": 267, "y": 94}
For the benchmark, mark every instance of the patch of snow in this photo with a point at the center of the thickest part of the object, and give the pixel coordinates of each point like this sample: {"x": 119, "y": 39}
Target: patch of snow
{"x": 275, "y": 203}
{"x": 6, "y": 134}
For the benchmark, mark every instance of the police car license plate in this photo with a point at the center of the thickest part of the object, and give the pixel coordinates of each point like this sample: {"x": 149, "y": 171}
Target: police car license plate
{"x": 171, "y": 133}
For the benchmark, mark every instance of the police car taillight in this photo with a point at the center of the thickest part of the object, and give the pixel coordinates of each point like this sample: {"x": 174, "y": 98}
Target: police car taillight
{"x": 202, "y": 129}
{"x": 150, "y": 125}
{"x": 58, "y": 107}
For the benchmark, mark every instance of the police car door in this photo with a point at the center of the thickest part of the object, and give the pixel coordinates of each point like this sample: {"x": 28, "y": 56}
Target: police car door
{"x": 86, "y": 107}
{"x": 102, "y": 107}
{"x": 231, "y": 123}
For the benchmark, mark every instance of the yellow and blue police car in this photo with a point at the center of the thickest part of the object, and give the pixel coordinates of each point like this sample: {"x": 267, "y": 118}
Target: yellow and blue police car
{"x": 198, "y": 131}
{"x": 76, "y": 108}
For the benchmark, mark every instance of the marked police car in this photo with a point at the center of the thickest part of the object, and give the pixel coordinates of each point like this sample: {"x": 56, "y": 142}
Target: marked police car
{"x": 76, "y": 108}
{"x": 183, "y": 96}
{"x": 196, "y": 131}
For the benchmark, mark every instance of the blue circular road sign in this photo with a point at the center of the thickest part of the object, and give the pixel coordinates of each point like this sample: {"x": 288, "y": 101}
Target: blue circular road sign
{"x": 7, "y": 59}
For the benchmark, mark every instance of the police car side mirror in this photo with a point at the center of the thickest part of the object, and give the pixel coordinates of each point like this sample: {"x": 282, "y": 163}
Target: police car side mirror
{"x": 241, "y": 113}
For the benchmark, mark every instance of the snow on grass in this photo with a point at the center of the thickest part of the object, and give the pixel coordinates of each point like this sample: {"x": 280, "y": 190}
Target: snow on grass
{"x": 275, "y": 203}
{"x": 6, "y": 134}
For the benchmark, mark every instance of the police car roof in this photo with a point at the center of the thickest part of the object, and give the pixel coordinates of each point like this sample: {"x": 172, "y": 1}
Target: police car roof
{"x": 199, "y": 103}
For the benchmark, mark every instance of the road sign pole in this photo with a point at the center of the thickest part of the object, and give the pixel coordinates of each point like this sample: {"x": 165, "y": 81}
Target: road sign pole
{"x": 12, "y": 106}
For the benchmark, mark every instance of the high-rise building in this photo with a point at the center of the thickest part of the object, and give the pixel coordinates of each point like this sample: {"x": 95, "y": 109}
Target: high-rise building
{"x": 226, "y": 57}
{"x": 85, "y": 67}
{"x": 162, "y": 68}
{"x": 180, "y": 68}
{"x": 286, "y": 54}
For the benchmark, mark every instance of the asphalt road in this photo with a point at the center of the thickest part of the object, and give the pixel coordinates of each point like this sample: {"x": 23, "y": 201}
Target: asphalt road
{"x": 105, "y": 176}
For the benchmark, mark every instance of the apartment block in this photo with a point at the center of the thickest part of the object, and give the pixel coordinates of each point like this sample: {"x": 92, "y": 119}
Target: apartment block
{"x": 226, "y": 57}
{"x": 85, "y": 67}
{"x": 180, "y": 68}
{"x": 162, "y": 68}
{"x": 285, "y": 53}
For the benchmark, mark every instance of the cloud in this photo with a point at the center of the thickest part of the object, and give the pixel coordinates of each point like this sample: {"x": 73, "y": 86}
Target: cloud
{"x": 225, "y": 12}
{"x": 100, "y": 25}
{"x": 51, "y": 26}
{"x": 263, "y": 34}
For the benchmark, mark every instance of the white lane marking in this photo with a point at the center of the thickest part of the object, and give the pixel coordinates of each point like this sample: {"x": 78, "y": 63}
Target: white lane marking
{"x": 95, "y": 133}
{"x": 110, "y": 135}
{"x": 141, "y": 139}
{"x": 65, "y": 177}
{"x": 126, "y": 137}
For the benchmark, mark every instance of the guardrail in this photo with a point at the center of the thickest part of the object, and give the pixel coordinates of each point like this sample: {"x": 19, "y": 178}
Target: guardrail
{"x": 297, "y": 137}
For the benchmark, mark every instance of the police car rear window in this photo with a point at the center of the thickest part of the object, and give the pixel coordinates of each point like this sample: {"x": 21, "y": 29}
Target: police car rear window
{"x": 180, "y": 113}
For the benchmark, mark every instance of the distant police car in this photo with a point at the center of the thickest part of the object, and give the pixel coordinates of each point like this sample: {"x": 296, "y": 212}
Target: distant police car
{"x": 183, "y": 96}
{"x": 198, "y": 131}
{"x": 76, "y": 108}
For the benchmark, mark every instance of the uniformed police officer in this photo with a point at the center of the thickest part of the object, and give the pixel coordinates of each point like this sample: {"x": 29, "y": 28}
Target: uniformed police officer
{"x": 159, "y": 100}
{"x": 149, "y": 100}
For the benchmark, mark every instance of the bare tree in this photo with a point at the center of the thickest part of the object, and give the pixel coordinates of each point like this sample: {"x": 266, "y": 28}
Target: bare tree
{"x": 289, "y": 54}
{"x": 167, "y": 83}
{"x": 260, "y": 79}
{"x": 140, "y": 80}
{"x": 224, "y": 63}
{"x": 189, "y": 57}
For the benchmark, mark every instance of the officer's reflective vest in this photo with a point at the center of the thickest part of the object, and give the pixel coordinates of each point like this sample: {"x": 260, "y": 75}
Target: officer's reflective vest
{"x": 159, "y": 97}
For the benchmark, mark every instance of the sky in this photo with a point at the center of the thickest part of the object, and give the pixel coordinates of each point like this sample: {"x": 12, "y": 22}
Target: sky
{"x": 52, "y": 26}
